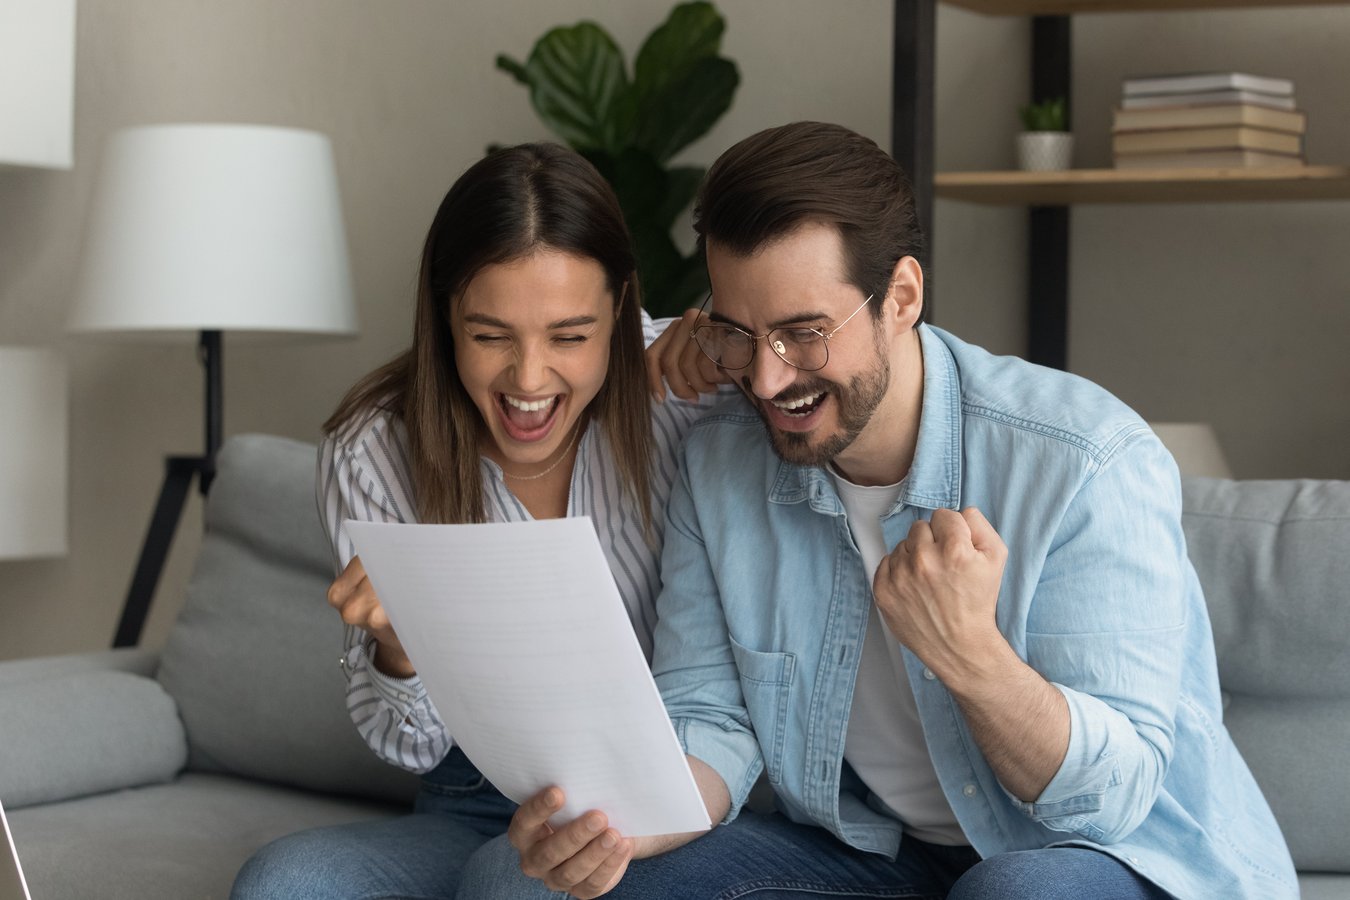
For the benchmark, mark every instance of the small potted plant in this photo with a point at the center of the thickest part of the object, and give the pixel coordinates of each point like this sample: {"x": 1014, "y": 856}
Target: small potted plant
{"x": 1045, "y": 144}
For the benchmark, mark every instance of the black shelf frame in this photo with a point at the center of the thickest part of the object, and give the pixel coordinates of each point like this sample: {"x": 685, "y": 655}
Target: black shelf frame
{"x": 912, "y": 128}
{"x": 913, "y": 81}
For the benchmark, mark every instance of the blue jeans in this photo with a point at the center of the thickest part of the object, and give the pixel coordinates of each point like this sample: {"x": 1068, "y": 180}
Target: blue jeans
{"x": 415, "y": 857}
{"x": 768, "y": 857}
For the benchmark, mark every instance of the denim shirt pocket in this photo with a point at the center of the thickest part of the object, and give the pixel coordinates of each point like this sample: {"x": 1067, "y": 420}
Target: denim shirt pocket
{"x": 766, "y": 682}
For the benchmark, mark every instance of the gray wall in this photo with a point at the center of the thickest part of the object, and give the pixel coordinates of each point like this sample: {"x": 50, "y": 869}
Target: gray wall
{"x": 1236, "y": 314}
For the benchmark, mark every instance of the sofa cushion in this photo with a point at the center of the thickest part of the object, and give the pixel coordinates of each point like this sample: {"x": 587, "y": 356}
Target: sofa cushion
{"x": 136, "y": 660}
{"x": 1274, "y": 560}
{"x": 253, "y": 658}
{"x": 86, "y": 732}
{"x": 165, "y": 842}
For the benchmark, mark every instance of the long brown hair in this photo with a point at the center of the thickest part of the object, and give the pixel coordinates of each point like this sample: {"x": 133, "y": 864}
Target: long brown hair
{"x": 506, "y": 206}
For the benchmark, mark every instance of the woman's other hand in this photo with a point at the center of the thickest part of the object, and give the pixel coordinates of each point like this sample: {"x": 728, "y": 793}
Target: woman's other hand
{"x": 584, "y": 858}
{"x": 352, "y": 595}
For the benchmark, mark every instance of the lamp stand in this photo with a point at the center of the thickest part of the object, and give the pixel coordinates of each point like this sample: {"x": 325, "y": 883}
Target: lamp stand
{"x": 178, "y": 472}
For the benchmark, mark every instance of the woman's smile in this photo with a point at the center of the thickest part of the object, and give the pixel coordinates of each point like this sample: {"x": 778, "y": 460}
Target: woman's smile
{"x": 528, "y": 420}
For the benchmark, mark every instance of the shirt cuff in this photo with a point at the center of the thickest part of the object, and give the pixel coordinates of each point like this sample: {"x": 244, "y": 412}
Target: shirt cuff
{"x": 400, "y": 693}
{"x": 733, "y": 754}
{"x": 1078, "y": 790}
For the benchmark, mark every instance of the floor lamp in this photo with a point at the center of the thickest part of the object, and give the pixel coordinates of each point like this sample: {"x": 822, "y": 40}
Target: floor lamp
{"x": 195, "y": 230}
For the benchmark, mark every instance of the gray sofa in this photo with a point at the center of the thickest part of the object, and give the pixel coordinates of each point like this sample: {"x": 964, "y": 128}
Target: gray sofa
{"x": 128, "y": 774}
{"x": 137, "y": 775}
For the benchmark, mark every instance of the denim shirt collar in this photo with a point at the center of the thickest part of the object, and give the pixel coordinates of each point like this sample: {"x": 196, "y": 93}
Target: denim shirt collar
{"x": 934, "y": 478}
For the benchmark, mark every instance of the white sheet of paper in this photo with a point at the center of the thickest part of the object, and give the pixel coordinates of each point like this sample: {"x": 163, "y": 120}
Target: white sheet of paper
{"x": 12, "y": 884}
{"x": 523, "y": 643}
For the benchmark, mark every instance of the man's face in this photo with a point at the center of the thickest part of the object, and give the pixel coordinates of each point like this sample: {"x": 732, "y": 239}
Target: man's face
{"x": 799, "y": 282}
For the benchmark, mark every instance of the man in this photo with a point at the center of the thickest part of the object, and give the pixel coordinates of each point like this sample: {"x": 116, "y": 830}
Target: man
{"x": 941, "y": 598}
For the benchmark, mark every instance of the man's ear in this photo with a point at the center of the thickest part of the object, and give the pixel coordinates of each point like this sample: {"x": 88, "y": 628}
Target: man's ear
{"x": 904, "y": 296}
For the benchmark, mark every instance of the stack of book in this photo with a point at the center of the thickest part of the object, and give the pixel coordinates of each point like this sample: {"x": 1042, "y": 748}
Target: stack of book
{"x": 1213, "y": 119}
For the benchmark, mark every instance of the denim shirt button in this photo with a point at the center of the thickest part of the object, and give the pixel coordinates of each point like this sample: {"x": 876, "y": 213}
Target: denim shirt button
{"x": 928, "y": 674}
{"x": 970, "y": 790}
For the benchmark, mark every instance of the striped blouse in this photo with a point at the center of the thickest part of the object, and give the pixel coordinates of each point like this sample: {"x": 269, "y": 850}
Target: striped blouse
{"x": 364, "y": 474}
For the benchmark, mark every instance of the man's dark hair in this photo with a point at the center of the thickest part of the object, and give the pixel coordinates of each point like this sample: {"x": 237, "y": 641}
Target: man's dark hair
{"x": 772, "y": 182}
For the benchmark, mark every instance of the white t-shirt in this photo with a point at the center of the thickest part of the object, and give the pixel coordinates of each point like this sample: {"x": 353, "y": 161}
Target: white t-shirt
{"x": 885, "y": 743}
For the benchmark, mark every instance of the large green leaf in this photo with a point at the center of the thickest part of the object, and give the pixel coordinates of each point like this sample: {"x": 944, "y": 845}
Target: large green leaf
{"x": 576, "y": 76}
{"x": 690, "y": 287}
{"x": 686, "y": 109}
{"x": 679, "y": 283}
{"x": 659, "y": 267}
{"x": 640, "y": 183}
{"x": 681, "y": 185}
{"x": 513, "y": 68}
{"x": 692, "y": 32}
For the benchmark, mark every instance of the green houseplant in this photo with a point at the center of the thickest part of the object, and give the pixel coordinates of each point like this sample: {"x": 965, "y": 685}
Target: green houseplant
{"x": 1047, "y": 115}
{"x": 1045, "y": 143}
{"x": 631, "y": 127}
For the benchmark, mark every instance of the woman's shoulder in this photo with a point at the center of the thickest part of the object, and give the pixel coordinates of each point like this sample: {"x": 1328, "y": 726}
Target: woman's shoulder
{"x": 363, "y": 465}
{"x": 672, "y": 417}
{"x": 375, "y": 436}
{"x": 683, "y": 413}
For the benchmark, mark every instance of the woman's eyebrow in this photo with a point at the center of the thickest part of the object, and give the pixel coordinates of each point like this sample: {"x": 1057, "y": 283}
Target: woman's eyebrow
{"x": 493, "y": 322}
{"x": 572, "y": 322}
{"x": 485, "y": 319}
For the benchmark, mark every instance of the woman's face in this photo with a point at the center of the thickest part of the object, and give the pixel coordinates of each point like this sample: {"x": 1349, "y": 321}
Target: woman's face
{"x": 532, "y": 348}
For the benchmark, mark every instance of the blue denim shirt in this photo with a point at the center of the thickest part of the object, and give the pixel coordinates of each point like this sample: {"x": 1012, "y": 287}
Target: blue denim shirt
{"x": 765, "y": 605}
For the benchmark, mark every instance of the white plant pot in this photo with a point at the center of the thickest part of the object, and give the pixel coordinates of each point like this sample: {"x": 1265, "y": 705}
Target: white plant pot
{"x": 1044, "y": 151}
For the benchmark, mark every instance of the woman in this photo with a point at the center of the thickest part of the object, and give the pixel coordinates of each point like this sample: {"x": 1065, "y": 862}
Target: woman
{"x": 524, "y": 395}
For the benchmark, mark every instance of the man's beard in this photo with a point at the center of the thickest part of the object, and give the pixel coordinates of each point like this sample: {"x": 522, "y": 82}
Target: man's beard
{"x": 856, "y": 402}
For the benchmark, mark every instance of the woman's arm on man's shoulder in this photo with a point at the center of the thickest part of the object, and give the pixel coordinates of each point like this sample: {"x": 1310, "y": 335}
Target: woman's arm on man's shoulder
{"x": 674, "y": 359}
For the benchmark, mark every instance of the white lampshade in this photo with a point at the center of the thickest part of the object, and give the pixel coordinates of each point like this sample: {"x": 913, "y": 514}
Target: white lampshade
{"x": 1195, "y": 448}
{"x": 37, "y": 82}
{"x": 215, "y": 227}
{"x": 32, "y": 453}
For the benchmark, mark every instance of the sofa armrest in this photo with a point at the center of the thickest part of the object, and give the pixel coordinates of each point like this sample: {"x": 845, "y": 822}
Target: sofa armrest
{"x": 126, "y": 659}
{"x": 69, "y": 733}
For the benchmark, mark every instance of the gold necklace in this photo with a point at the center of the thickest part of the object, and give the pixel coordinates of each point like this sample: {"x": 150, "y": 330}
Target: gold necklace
{"x": 576, "y": 430}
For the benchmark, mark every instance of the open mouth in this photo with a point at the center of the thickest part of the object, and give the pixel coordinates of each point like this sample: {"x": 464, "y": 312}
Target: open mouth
{"x": 528, "y": 419}
{"x": 798, "y": 414}
{"x": 801, "y": 407}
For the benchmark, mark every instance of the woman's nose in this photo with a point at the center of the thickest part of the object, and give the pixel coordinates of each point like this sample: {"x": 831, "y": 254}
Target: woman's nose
{"x": 531, "y": 370}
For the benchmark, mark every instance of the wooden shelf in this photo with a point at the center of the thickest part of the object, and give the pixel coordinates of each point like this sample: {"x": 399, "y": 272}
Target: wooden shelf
{"x": 1049, "y": 195}
{"x": 1146, "y": 186}
{"x": 1072, "y": 7}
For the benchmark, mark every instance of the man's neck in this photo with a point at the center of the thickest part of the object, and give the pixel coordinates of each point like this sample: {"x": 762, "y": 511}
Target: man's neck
{"x": 884, "y": 451}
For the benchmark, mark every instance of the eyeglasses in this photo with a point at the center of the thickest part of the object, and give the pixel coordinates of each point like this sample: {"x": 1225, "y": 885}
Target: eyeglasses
{"x": 730, "y": 347}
